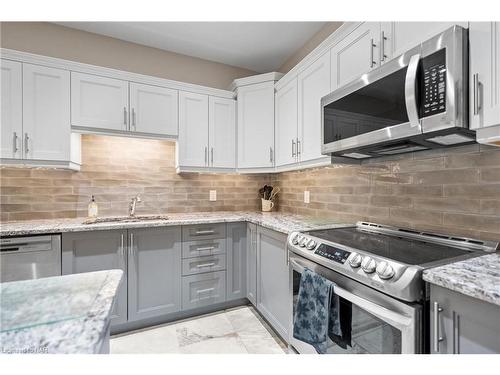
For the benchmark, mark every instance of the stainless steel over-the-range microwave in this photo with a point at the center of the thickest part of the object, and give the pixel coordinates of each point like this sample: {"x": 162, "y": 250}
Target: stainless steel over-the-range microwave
{"x": 416, "y": 101}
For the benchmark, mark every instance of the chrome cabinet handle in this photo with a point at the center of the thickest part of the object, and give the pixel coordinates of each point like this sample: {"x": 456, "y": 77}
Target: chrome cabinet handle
{"x": 26, "y": 143}
{"x": 131, "y": 245}
{"x": 212, "y": 156}
{"x": 122, "y": 248}
{"x": 206, "y": 155}
{"x": 205, "y": 265}
{"x": 298, "y": 148}
{"x": 293, "y": 148}
{"x": 133, "y": 118}
{"x": 476, "y": 84}
{"x": 16, "y": 148}
{"x": 206, "y": 248}
{"x": 383, "y": 38}
{"x": 270, "y": 154}
{"x": 205, "y": 232}
{"x": 437, "y": 337}
{"x": 372, "y": 62}
{"x": 125, "y": 116}
{"x": 456, "y": 333}
{"x": 204, "y": 290}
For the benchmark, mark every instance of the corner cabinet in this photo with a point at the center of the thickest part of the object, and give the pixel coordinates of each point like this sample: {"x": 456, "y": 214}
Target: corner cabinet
{"x": 154, "y": 272}
{"x": 97, "y": 251}
{"x": 222, "y": 132}
{"x": 256, "y": 126}
{"x": 273, "y": 280}
{"x": 236, "y": 261}
{"x": 462, "y": 324}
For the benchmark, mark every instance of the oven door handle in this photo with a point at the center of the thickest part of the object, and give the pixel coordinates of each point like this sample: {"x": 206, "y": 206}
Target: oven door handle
{"x": 411, "y": 91}
{"x": 399, "y": 321}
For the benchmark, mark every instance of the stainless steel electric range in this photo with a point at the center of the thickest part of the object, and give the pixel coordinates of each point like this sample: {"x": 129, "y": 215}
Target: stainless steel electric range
{"x": 377, "y": 271}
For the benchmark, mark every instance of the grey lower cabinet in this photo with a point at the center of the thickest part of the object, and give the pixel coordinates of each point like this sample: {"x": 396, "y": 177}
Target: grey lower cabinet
{"x": 252, "y": 263}
{"x": 97, "y": 251}
{"x": 236, "y": 244}
{"x": 203, "y": 290}
{"x": 154, "y": 272}
{"x": 462, "y": 324}
{"x": 273, "y": 280}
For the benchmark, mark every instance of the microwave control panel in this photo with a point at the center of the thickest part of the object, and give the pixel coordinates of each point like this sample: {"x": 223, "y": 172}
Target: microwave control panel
{"x": 433, "y": 84}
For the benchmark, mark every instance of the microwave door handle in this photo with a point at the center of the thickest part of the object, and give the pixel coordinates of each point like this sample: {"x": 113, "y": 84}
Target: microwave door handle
{"x": 411, "y": 92}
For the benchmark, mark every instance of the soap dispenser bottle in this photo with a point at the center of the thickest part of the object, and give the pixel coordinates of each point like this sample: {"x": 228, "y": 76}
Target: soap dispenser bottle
{"x": 92, "y": 213}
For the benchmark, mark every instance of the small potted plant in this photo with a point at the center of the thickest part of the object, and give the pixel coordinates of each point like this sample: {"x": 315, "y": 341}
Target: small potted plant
{"x": 267, "y": 196}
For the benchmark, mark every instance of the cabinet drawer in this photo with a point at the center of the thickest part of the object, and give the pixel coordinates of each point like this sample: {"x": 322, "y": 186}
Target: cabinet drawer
{"x": 203, "y": 232}
{"x": 203, "y": 290}
{"x": 213, "y": 263}
{"x": 192, "y": 249}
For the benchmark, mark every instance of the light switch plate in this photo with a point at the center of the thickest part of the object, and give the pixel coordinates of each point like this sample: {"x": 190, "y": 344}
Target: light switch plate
{"x": 213, "y": 195}
{"x": 307, "y": 196}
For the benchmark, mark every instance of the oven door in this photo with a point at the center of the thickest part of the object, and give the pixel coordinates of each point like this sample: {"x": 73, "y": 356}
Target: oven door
{"x": 380, "y": 324}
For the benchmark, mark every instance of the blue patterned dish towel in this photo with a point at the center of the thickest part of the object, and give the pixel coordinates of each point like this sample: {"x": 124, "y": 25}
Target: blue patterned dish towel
{"x": 317, "y": 312}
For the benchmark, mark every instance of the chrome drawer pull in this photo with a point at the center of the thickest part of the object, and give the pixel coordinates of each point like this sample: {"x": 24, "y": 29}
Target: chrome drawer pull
{"x": 205, "y": 290}
{"x": 206, "y": 248}
{"x": 205, "y": 265}
{"x": 437, "y": 337}
{"x": 205, "y": 232}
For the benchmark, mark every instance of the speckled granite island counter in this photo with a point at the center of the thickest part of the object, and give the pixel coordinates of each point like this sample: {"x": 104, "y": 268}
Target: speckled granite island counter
{"x": 63, "y": 314}
{"x": 280, "y": 222}
{"x": 476, "y": 277}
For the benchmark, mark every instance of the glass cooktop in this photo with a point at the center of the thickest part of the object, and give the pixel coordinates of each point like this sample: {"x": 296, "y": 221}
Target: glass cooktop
{"x": 405, "y": 250}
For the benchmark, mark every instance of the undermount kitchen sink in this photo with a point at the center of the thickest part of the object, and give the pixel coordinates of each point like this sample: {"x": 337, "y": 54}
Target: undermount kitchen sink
{"x": 125, "y": 219}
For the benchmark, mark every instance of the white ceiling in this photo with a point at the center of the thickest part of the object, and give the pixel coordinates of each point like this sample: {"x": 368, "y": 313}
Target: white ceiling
{"x": 258, "y": 46}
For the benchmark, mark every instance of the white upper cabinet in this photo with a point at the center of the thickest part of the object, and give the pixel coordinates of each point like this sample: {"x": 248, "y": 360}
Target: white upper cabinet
{"x": 153, "y": 110}
{"x": 484, "y": 68}
{"x": 313, "y": 84}
{"x": 222, "y": 132}
{"x": 192, "y": 145}
{"x": 12, "y": 106}
{"x": 286, "y": 124}
{"x": 46, "y": 113}
{"x": 397, "y": 37}
{"x": 256, "y": 125}
{"x": 356, "y": 54}
{"x": 99, "y": 102}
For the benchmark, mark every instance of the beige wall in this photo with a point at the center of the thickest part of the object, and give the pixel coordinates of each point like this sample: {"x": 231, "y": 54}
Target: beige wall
{"x": 115, "y": 169}
{"x": 311, "y": 44}
{"x": 58, "y": 41}
{"x": 455, "y": 191}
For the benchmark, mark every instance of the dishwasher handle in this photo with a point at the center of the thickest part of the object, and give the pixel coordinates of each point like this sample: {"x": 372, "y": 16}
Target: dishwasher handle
{"x": 25, "y": 244}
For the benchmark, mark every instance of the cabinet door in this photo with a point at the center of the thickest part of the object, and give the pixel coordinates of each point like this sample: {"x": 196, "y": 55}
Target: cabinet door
{"x": 273, "y": 280}
{"x": 97, "y": 251}
{"x": 397, "y": 37}
{"x": 193, "y": 130}
{"x": 314, "y": 83}
{"x": 12, "y": 107}
{"x": 484, "y": 52}
{"x": 286, "y": 124}
{"x": 464, "y": 325}
{"x": 99, "y": 102}
{"x": 153, "y": 110}
{"x": 222, "y": 132}
{"x": 256, "y": 126}
{"x": 236, "y": 261}
{"x": 252, "y": 263}
{"x": 46, "y": 113}
{"x": 154, "y": 272}
{"x": 356, "y": 54}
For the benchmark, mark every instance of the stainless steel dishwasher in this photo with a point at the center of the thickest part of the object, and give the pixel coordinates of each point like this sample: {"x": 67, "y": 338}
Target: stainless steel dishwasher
{"x": 33, "y": 257}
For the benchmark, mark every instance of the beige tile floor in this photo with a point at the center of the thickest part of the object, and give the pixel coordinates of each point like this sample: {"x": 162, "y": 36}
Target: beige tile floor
{"x": 239, "y": 330}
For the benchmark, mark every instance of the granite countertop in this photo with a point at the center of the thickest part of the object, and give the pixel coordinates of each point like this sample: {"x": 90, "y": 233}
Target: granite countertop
{"x": 62, "y": 314}
{"x": 476, "y": 277}
{"x": 281, "y": 222}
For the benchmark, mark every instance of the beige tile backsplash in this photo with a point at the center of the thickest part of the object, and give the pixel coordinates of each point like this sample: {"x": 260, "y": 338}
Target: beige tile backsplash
{"x": 115, "y": 169}
{"x": 453, "y": 190}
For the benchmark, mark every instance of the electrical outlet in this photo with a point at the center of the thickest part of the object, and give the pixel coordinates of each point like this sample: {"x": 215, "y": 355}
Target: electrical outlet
{"x": 307, "y": 196}
{"x": 213, "y": 195}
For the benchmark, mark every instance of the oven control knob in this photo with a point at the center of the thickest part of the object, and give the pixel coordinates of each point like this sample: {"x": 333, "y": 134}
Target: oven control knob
{"x": 385, "y": 270}
{"x": 311, "y": 245}
{"x": 355, "y": 260}
{"x": 302, "y": 241}
{"x": 368, "y": 265}
{"x": 295, "y": 239}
